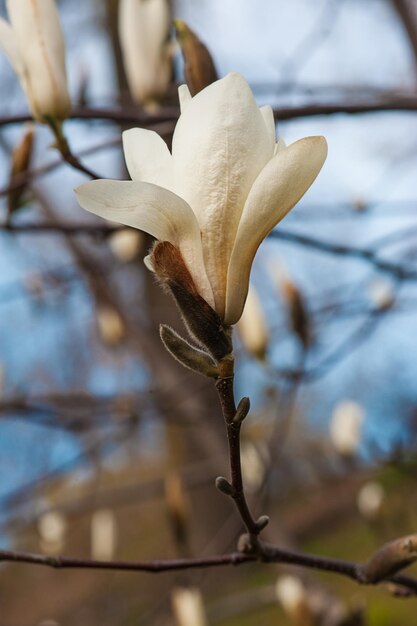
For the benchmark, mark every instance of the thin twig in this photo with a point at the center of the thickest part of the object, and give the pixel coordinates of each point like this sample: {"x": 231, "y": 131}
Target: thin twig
{"x": 224, "y": 386}
{"x": 267, "y": 554}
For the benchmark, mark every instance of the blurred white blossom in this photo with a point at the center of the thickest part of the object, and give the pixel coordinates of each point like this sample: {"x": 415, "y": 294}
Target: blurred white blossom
{"x": 110, "y": 325}
{"x": 143, "y": 32}
{"x": 188, "y": 608}
{"x": 370, "y": 500}
{"x": 52, "y": 528}
{"x": 346, "y": 427}
{"x": 381, "y": 293}
{"x": 125, "y": 244}
{"x": 34, "y": 44}
{"x": 252, "y": 326}
{"x": 103, "y": 535}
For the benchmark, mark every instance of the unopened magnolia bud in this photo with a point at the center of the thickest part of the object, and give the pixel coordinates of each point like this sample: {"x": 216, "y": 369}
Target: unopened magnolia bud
{"x": 143, "y": 32}
{"x": 34, "y": 44}
{"x": 370, "y": 500}
{"x": 125, "y": 244}
{"x": 52, "y": 528}
{"x": 187, "y": 606}
{"x": 346, "y": 427}
{"x": 262, "y": 522}
{"x": 389, "y": 559}
{"x": 189, "y": 356}
{"x": 110, "y": 325}
{"x": 242, "y": 410}
{"x": 298, "y": 316}
{"x": 297, "y": 311}
{"x": 103, "y": 535}
{"x": 20, "y": 161}
{"x": 202, "y": 322}
{"x": 199, "y": 67}
{"x": 252, "y": 326}
{"x": 223, "y": 485}
{"x": 381, "y": 294}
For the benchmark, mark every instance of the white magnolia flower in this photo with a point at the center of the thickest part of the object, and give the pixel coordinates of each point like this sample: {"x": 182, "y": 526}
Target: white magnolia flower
{"x": 221, "y": 191}
{"x": 34, "y": 44}
{"x": 143, "y": 31}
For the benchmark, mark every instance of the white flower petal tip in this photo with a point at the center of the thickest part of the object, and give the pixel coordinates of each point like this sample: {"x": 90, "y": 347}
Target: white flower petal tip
{"x": 280, "y": 185}
{"x": 34, "y": 44}
{"x": 225, "y": 186}
{"x": 147, "y": 157}
{"x": 147, "y": 260}
{"x": 184, "y": 97}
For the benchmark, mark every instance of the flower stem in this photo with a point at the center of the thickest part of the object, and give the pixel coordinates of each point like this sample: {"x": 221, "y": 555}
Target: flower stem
{"x": 63, "y": 147}
{"x": 225, "y": 390}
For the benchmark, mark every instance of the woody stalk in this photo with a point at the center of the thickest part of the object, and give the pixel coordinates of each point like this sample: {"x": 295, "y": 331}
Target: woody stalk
{"x": 209, "y": 204}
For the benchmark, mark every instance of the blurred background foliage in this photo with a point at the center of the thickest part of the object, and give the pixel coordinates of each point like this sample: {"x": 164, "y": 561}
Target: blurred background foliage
{"x": 108, "y": 447}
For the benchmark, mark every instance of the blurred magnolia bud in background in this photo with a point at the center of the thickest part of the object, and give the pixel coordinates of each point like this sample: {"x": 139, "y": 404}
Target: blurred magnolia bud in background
{"x": 34, "y": 44}
{"x": 292, "y": 596}
{"x": 346, "y": 427}
{"x": 252, "y": 326}
{"x": 187, "y": 606}
{"x": 20, "y": 161}
{"x": 126, "y": 244}
{"x": 103, "y": 535}
{"x": 143, "y": 31}
{"x": 381, "y": 293}
{"x": 296, "y": 309}
{"x": 253, "y": 466}
{"x": 199, "y": 68}
{"x": 52, "y": 528}
{"x": 359, "y": 205}
{"x": 110, "y": 325}
{"x": 370, "y": 500}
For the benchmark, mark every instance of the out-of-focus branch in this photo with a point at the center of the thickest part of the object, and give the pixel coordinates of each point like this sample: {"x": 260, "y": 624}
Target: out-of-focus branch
{"x": 386, "y": 102}
{"x": 367, "y": 254}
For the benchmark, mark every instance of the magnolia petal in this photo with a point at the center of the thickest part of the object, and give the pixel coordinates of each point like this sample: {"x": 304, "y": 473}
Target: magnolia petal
{"x": 156, "y": 211}
{"x": 220, "y": 145}
{"x": 41, "y": 46}
{"x": 268, "y": 115}
{"x": 9, "y": 47}
{"x": 280, "y": 145}
{"x": 184, "y": 97}
{"x": 279, "y": 186}
{"x": 147, "y": 157}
